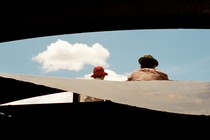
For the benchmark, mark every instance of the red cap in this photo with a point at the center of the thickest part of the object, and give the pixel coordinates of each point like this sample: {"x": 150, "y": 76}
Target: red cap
{"x": 98, "y": 71}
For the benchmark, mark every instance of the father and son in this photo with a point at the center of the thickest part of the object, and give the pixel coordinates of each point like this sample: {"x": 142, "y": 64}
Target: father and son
{"x": 147, "y": 71}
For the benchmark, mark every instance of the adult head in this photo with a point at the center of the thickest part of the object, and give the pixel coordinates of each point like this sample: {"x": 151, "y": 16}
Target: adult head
{"x": 148, "y": 61}
{"x": 98, "y": 72}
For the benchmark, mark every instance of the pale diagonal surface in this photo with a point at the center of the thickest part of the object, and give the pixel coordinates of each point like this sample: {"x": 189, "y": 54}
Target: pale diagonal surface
{"x": 186, "y": 97}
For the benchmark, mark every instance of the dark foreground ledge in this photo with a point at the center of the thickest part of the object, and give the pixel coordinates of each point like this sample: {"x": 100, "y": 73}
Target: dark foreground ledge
{"x": 97, "y": 120}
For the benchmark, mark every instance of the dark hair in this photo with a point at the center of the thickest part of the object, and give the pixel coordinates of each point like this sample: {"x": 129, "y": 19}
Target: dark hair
{"x": 100, "y": 76}
{"x": 148, "y": 64}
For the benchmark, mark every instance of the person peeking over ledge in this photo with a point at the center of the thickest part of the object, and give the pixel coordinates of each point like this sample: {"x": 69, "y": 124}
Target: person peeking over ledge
{"x": 98, "y": 74}
{"x": 147, "y": 70}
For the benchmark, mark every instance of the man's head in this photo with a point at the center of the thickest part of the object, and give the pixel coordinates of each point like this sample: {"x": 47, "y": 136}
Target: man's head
{"x": 98, "y": 72}
{"x": 148, "y": 61}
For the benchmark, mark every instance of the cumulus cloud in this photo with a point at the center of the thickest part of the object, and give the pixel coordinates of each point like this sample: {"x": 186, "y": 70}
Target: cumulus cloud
{"x": 64, "y": 55}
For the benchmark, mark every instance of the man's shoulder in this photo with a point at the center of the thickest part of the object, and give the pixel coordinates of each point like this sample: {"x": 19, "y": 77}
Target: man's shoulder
{"x": 163, "y": 74}
{"x": 159, "y": 71}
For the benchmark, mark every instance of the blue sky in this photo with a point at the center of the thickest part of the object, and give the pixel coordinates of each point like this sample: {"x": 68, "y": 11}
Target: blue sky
{"x": 184, "y": 54}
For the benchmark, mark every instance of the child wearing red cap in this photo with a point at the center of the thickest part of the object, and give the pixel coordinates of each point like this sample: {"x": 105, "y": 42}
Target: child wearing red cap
{"x": 98, "y": 74}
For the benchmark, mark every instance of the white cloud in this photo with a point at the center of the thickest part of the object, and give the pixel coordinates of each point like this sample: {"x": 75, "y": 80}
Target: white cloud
{"x": 112, "y": 76}
{"x": 63, "y": 55}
